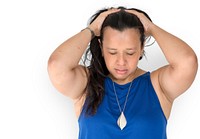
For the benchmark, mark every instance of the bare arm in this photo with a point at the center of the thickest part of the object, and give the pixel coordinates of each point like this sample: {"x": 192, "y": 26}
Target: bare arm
{"x": 176, "y": 77}
{"x": 64, "y": 70}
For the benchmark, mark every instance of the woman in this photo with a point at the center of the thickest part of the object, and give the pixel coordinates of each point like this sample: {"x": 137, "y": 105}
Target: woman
{"x": 113, "y": 97}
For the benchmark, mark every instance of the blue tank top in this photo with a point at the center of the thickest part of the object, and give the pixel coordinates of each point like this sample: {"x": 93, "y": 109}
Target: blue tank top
{"x": 144, "y": 115}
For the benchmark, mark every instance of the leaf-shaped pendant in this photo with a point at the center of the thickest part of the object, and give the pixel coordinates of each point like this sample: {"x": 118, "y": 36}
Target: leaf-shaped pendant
{"x": 121, "y": 121}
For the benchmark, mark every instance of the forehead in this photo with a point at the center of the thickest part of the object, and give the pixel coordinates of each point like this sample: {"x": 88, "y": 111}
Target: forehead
{"x": 126, "y": 38}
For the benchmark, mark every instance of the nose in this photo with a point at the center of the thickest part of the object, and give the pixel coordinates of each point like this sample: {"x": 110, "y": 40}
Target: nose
{"x": 121, "y": 60}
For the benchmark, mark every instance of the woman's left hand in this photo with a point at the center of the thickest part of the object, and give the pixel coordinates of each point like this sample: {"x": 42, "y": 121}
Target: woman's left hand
{"x": 145, "y": 21}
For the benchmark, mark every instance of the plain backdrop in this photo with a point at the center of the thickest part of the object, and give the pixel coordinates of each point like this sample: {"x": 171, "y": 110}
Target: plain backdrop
{"x": 31, "y": 108}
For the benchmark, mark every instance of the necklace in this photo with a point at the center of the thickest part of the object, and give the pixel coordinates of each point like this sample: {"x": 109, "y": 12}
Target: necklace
{"x": 121, "y": 122}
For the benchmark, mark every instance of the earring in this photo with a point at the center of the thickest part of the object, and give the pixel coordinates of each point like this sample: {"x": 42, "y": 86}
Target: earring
{"x": 142, "y": 54}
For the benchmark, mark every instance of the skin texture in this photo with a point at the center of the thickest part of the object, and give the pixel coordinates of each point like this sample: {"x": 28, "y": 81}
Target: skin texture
{"x": 121, "y": 54}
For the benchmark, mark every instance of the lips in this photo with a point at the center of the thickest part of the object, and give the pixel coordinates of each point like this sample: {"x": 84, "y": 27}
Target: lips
{"x": 121, "y": 71}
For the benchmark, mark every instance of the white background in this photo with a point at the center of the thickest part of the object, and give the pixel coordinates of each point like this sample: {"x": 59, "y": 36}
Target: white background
{"x": 31, "y": 108}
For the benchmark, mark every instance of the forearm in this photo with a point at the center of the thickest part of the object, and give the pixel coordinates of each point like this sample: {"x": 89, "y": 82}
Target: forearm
{"x": 69, "y": 53}
{"x": 176, "y": 51}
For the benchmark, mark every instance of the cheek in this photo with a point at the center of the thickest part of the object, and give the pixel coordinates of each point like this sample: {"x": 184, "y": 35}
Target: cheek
{"x": 108, "y": 59}
{"x": 133, "y": 62}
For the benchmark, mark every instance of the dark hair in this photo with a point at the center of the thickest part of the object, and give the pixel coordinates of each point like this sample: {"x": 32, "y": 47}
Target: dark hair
{"x": 97, "y": 68}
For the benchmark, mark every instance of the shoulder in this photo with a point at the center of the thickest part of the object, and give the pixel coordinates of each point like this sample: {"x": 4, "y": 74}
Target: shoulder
{"x": 140, "y": 72}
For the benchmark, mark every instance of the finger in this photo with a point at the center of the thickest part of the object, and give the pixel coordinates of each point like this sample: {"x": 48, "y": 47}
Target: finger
{"x": 133, "y": 12}
{"x": 112, "y": 10}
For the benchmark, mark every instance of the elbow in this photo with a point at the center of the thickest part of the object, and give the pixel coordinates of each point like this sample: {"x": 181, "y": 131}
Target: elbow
{"x": 51, "y": 63}
{"x": 55, "y": 63}
{"x": 193, "y": 60}
{"x": 54, "y": 66}
{"x": 191, "y": 65}
{"x": 187, "y": 65}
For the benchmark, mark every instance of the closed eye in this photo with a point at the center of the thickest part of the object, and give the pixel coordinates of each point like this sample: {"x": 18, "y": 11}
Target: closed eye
{"x": 132, "y": 53}
{"x": 112, "y": 53}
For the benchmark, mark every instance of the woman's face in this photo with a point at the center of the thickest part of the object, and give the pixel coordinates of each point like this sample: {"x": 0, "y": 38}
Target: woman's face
{"x": 121, "y": 51}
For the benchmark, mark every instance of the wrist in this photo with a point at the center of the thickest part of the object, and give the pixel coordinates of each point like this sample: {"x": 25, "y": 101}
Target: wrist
{"x": 91, "y": 31}
{"x": 151, "y": 29}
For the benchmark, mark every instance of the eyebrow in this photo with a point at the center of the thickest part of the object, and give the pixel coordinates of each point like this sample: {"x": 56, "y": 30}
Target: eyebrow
{"x": 116, "y": 49}
{"x": 131, "y": 49}
{"x": 111, "y": 48}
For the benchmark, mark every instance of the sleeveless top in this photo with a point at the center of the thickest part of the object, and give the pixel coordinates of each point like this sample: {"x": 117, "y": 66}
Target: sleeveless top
{"x": 143, "y": 112}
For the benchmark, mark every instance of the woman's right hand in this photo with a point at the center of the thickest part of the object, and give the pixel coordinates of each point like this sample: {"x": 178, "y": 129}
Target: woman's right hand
{"x": 97, "y": 23}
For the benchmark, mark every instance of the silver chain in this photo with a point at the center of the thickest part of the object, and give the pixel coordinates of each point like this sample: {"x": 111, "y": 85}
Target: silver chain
{"x": 126, "y": 97}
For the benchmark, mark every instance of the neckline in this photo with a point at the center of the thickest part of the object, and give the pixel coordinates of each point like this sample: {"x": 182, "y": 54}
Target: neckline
{"x": 128, "y": 83}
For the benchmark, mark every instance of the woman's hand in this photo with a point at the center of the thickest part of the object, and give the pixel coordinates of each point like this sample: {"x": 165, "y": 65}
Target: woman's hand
{"x": 97, "y": 23}
{"x": 145, "y": 21}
